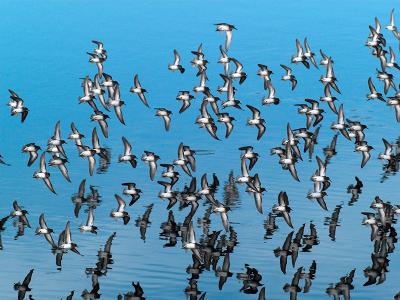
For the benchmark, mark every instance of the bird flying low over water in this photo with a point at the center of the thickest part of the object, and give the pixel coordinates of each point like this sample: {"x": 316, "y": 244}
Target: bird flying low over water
{"x": 391, "y": 27}
{"x": 373, "y": 92}
{"x": 264, "y": 73}
{"x": 190, "y": 242}
{"x": 388, "y": 154}
{"x": 98, "y": 60}
{"x": 101, "y": 118}
{"x": 288, "y": 161}
{"x": 60, "y": 162}
{"x": 120, "y": 212}
{"x": 206, "y": 121}
{"x": 329, "y": 98}
{"x": 314, "y": 112}
{"x": 283, "y": 209}
{"x": 182, "y": 160}
{"x": 131, "y": 190}
{"x": 44, "y": 230}
{"x": 89, "y": 226}
{"x": 226, "y": 119}
{"x": 238, "y": 73}
{"x": 340, "y": 124}
{"x": 257, "y": 121}
{"x": 168, "y": 193}
{"x": 43, "y": 174}
{"x": 17, "y": 106}
{"x": 66, "y": 241}
{"x": 224, "y": 60}
{"x": 289, "y": 76}
{"x": 227, "y": 28}
{"x": 250, "y": 155}
{"x": 151, "y": 159}
{"x": 254, "y": 187}
{"x": 186, "y": 99}
{"x": 86, "y": 152}
{"x": 271, "y": 98}
{"x": 202, "y": 88}
{"x": 100, "y": 151}
{"x": 309, "y": 54}
{"x": 199, "y": 60}
{"x": 329, "y": 78}
{"x": 387, "y": 79}
{"x": 75, "y": 135}
{"x": 176, "y": 65}
{"x": 364, "y": 148}
{"x": 117, "y": 103}
{"x": 165, "y": 114}
{"x": 139, "y": 90}
{"x": 19, "y": 213}
{"x": 100, "y": 49}
{"x": 128, "y": 156}
{"x": 32, "y": 149}
{"x": 98, "y": 91}
{"x": 299, "y": 57}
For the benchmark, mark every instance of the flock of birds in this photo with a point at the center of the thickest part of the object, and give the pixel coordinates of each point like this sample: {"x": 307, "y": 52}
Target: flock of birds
{"x": 102, "y": 94}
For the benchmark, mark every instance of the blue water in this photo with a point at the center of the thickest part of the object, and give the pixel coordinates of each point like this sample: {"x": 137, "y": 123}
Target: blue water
{"x": 43, "y": 56}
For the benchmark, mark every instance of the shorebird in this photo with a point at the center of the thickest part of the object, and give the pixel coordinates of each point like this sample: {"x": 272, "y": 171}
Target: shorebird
{"x": 300, "y": 57}
{"x": 289, "y": 76}
{"x": 43, "y": 174}
{"x": 165, "y": 114}
{"x": 227, "y": 28}
{"x": 257, "y": 121}
{"x": 139, "y": 90}
{"x": 176, "y": 65}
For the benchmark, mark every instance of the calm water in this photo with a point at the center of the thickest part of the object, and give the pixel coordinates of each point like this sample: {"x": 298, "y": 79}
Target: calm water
{"x": 43, "y": 55}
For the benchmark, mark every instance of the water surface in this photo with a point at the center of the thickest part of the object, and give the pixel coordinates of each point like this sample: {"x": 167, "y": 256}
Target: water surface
{"x": 43, "y": 57}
